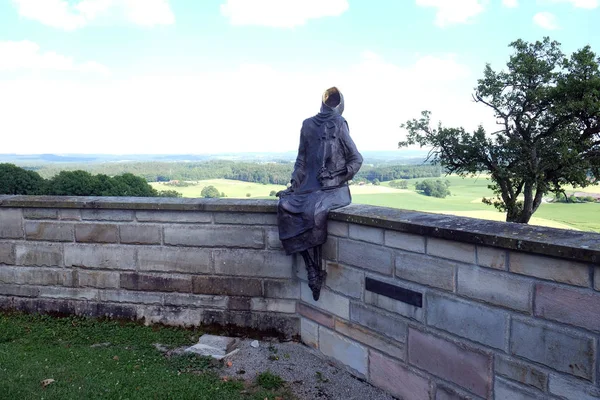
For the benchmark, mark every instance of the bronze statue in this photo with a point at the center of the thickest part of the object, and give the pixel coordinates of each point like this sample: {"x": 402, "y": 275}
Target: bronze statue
{"x": 327, "y": 159}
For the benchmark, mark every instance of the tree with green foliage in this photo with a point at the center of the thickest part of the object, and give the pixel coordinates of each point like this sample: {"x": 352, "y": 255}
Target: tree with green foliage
{"x": 548, "y": 108}
{"x": 399, "y": 184}
{"x": 434, "y": 188}
{"x": 169, "y": 193}
{"x": 210, "y": 192}
{"x": 73, "y": 183}
{"x": 16, "y": 180}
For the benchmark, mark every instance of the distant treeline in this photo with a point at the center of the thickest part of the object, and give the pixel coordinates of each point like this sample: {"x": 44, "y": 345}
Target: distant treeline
{"x": 277, "y": 173}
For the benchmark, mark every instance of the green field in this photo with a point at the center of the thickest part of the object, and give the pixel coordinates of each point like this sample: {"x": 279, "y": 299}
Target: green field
{"x": 464, "y": 201}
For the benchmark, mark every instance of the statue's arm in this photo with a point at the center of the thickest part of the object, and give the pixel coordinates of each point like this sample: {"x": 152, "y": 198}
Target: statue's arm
{"x": 354, "y": 159}
{"x": 300, "y": 165}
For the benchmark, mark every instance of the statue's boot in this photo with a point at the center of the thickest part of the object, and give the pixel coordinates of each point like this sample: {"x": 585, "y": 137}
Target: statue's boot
{"x": 314, "y": 280}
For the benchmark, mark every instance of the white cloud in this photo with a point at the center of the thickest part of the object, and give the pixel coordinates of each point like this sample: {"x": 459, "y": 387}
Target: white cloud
{"x": 546, "y": 20}
{"x": 450, "y": 12}
{"x": 72, "y": 15}
{"x": 587, "y": 4}
{"x": 280, "y": 13}
{"x": 510, "y": 3}
{"x": 27, "y": 55}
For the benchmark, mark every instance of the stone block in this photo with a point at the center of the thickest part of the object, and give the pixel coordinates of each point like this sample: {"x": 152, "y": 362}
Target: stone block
{"x": 96, "y": 233}
{"x": 100, "y": 256}
{"x": 268, "y": 264}
{"x": 40, "y": 213}
{"x": 139, "y": 234}
{"x": 195, "y": 300}
{"x": 38, "y": 276}
{"x": 226, "y": 286}
{"x": 69, "y": 214}
{"x": 346, "y": 351}
{"x": 215, "y": 236}
{"x": 18, "y": 290}
{"x": 405, "y": 241}
{"x": 273, "y": 305}
{"x": 282, "y": 289}
{"x": 457, "y": 251}
{"x": 273, "y": 241}
{"x": 446, "y": 393}
{"x": 572, "y": 389}
{"x": 239, "y": 303}
{"x": 568, "y": 306}
{"x": 468, "y": 319}
{"x": 69, "y": 293}
{"x": 330, "y": 302}
{"x": 190, "y": 217}
{"x": 425, "y": 270}
{"x": 553, "y": 269}
{"x": 330, "y": 249}
{"x": 368, "y": 256}
{"x": 309, "y": 333}
{"x": 315, "y": 315}
{"x": 345, "y": 280}
{"x": 597, "y": 278}
{"x": 523, "y": 373}
{"x": 491, "y": 257}
{"x": 49, "y": 231}
{"x": 39, "y": 254}
{"x": 171, "y": 316}
{"x": 378, "y": 321}
{"x": 336, "y": 228}
{"x": 98, "y": 279}
{"x": 396, "y": 379}
{"x": 156, "y": 283}
{"x": 11, "y": 223}
{"x": 366, "y": 233}
{"x": 107, "y": 215}
{"x": 7, "y": 253}
{"x": 504, "y": 390}
{"x": 245, "y": 218}
{"x": 371, "y": 339}
{"x": 502, "y": 289}
{"x": 396, "y": 306}
{"x": 554, "y": 348}
{"x": 172, "y": 259}
{"x": 458, "y": 364}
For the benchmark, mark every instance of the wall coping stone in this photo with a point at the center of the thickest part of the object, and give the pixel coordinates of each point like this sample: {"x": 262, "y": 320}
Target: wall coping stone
{"x": 563, "y": 243}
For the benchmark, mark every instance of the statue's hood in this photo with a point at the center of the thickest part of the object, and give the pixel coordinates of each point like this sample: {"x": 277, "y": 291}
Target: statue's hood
{"x": 332, "y": 105}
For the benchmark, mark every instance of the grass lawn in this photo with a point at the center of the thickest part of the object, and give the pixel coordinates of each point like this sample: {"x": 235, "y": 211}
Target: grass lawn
{"x": 91, "y": 359}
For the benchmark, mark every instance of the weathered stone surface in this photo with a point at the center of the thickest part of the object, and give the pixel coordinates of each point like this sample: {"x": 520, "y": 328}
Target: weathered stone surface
{"x": 460, "y": 365}
{"x": 96, "y": 233}
{"x": 366, "y": 234}
{"x": 39, "y": 254}
{"x": 395, "y": 378}
{"x": 128, "y": 296}
{"x": 309, "y": 332}
{"x": 273, "y": 305}
{"x": 11, "y": 223}
{"x": 405, "y": 241}
{"x": 171, "y": 259}
{"x": 446, "y": 393}
{"x": 380, "y": 322}
{"x": 36, "y": 276}
{"x": 282, "y": 289}
{"x": 18, "y": 290}
{"x": 569, "y": 306}
{"x": 228, "y": 286}
{"x": 329, "y": 301}
{"x": 572, "y": 389}
{"x": 194, "y": 300}
{"x": 7, "y": 253}
{"x": 240, "y": 303}
{"x": 348, "y": 352}
{"x": 502, "y": 289}
{"x": 69, "y": 214}
{"x": 395, "y": 306}
{"x": 98, "y": 279}
{"x": 99, "y": 256}
{"x": 337, "y": 228}
{"x": 139, "y": 234}
{"x": 107, "y": 215}
{"x": 40, "y": 213}
{"x": 190, "y": 217}
{"x": 553, "y": 348}
{"x": 149, "y": 283}
{"x": 169, "y": 315}
{"x": 269, "y": 264}
{"x": 366, "y": 336}
{"x": 467, "y": 319}
{"x": 330, "y": 249}
{"x": 368, "y": 256}
{"x": 50, "y": 231}
{"x": 214, "y": 236}
{"x": 347, "y": 281}
{"x": 450, "y": 249}
{"x": 597, "y": 278}
{"x": 520, "y": 372}
{"x": 315, "y": 315}
{"x": 491, "y": 257}
{"x": 245, "y": 218}
{"x": 426, "y": 270}
{"x": 504, "y": 390}
{"x": 68, "y": 293}
{"x": 553, "y": 269}
{"x": 273, "y": 241}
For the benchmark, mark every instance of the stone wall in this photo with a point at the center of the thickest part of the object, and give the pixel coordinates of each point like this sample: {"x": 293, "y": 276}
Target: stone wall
{"x": 425, "y": 306}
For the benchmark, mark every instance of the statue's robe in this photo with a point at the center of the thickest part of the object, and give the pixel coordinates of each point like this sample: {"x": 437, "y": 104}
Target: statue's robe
{"x": 325, "y": 145}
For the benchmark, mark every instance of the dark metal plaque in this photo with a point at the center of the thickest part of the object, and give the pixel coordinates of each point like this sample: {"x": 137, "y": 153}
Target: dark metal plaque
{"x": 395, "y": 292}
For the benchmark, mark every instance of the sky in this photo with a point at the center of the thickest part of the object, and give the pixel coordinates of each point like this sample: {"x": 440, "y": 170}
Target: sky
{"x": 213, "y": 76}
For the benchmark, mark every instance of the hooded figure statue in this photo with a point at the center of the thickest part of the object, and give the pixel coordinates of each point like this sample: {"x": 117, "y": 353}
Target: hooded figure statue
{"x": 327, "y": 159}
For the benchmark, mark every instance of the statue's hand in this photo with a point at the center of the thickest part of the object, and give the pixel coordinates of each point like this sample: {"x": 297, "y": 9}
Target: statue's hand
{"x": 283, "y": 192}
{"x": 324, "y": 174}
